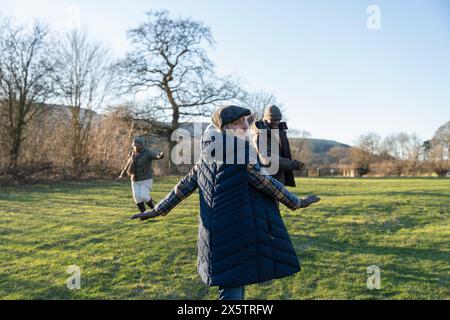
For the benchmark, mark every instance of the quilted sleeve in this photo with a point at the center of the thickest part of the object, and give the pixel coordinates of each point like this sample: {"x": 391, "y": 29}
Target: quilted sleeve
{"x": 272, "y": 187}
{"x": 181, "y": 191}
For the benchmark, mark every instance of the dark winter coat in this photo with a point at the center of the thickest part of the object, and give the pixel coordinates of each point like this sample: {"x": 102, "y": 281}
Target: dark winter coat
{"x": 285, "y": 173}
{"x": 242, "y": 238}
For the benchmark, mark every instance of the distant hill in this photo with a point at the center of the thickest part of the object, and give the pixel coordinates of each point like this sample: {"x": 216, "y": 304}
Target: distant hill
{"x": 319, "y": 146}
{"x": 323, "y": 146}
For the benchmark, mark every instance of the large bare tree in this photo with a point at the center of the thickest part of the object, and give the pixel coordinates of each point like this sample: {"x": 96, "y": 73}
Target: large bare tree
{"x": 168, "y": 61}
{"x": 25, "y": 82}
{"x": 82, "y": 80}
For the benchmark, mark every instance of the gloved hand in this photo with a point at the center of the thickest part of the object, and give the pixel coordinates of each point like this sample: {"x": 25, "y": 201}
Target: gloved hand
{"x": 145, "y": 215}
{"x": 161, "y": 155}
{"x": 251, "y": 118}
{"x": 308, "y": 200}
{"x": 297, "y": 165}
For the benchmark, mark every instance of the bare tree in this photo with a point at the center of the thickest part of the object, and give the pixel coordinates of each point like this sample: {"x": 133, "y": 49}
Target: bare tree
{"x": 82, "y": 80}
{"x": 339, "y": 155}
{"x": 440, "y": 150}
{"x": 396, "y": 145}
{"x": 258, "y": 101}
{"x": 369, "y": 143}
{"x": 405, "y": 150}
{"x": 168, "y": 62}
{"x": 361, "y": 160}
{"x": 25, "y": 82}
{"x": 365, "y": 152}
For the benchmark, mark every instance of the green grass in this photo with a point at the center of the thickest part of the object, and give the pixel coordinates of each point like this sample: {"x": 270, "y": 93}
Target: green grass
{"x": 401, "y": 225}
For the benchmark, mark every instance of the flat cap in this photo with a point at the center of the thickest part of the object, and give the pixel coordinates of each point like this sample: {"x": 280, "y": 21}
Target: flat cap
{"x": 228, "y": 114}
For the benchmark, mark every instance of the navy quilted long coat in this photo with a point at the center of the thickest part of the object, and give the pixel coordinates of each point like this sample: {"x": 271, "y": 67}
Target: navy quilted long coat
{"x": 242, "y": 238}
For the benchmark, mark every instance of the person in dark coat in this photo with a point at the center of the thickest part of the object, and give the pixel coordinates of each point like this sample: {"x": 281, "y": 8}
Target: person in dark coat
{"x": 270, "y": 122}
{"x": 242, "y": 238}
{"x": 139, "y": 168}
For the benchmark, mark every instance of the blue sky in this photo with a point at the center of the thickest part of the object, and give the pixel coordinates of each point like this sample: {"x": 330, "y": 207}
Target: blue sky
{"x": 336, "y": 78}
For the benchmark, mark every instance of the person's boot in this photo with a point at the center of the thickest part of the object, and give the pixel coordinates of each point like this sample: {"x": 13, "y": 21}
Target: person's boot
{"x": 151, "y": 204}
{"x": 141, "y": 206}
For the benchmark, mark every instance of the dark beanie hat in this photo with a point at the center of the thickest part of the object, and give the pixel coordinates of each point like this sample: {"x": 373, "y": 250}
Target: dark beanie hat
{"x": 228, "y": 114}
{"x": 138, "y": 141}
{"x": 272, "y": 112}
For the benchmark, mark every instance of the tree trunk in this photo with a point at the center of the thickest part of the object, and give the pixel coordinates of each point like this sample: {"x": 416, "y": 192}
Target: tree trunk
{"x": 16, "y": 141}
{"x": 174, "y": 126}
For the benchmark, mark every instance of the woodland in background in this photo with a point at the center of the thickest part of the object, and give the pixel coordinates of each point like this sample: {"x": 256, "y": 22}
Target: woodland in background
{"x": 46, "y": 151}
{"x": 64, "y": 110}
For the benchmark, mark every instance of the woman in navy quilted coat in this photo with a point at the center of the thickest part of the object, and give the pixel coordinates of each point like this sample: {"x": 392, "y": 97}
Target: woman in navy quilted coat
{"x": 242, "y": 238}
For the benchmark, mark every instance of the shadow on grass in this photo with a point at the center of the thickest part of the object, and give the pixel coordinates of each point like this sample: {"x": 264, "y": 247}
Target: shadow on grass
{"x": 34, "y": 290}
{"x": 329, "y": 243}
{"x": 417, "y": 194}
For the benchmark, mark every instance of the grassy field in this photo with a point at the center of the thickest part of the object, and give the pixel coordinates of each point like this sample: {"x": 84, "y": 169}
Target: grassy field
{"x": 401, "y": 225}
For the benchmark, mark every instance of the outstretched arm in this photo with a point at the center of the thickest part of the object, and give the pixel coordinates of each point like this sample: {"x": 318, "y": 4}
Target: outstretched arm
{"x": 153, "y": 155}
{"x": 127, "y": 166}
{"x": 181, "y": 191}
{"x": 275, "y": 189}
